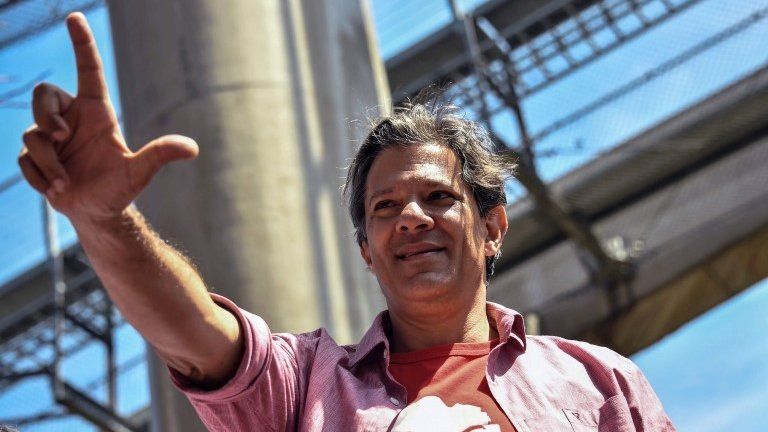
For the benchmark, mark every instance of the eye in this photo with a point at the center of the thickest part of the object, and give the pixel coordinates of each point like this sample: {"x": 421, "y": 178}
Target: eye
{"x": 440, "y": 195}
{"x": 383, "y": 204}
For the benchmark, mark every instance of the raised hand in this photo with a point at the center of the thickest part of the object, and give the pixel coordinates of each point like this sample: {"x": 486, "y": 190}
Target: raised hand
{"x": 75, "y": 153}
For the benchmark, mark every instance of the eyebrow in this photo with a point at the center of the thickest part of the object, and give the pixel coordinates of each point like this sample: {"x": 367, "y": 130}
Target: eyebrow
{"x": 428, "y": 183}
{"x": 378, "y": 193}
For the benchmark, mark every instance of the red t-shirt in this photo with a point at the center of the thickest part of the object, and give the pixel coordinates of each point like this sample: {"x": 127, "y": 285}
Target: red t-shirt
{"x": 455, "y": 373}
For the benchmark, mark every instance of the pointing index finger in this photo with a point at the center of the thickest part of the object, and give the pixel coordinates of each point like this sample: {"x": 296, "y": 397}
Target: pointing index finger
{"x": 90, "y": 74}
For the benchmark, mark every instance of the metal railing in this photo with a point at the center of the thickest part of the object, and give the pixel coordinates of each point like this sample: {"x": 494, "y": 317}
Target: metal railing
{"x": 72, "y": 315}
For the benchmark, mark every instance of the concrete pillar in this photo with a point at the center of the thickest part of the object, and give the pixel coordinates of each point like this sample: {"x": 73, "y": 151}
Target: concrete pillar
{"x": 269, "y": 90}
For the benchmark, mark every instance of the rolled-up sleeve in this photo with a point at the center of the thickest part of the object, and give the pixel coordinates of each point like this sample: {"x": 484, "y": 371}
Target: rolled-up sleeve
{"x": 263, "y": 392}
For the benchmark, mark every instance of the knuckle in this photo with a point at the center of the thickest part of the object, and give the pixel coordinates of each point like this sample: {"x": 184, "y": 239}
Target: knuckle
{"x": 40, "y": 90}
{"x": 27, "y": 136}
{"x": 31, "y": 138}
{"x": 27, "y": 167}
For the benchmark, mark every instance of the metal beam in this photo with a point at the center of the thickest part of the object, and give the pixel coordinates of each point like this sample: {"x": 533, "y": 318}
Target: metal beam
{"x": 79, "y": 403}
{"x": 669, "y": 194}
{"x": 695, "y": 219}
{"x": 24, "y": 18}
{"x": 604, "y": 269}
{"x": 435, "y": 57}
{"x": 441, "y": 57}
{"x": 645, "y": 164}
{"x": 722, "y": 276}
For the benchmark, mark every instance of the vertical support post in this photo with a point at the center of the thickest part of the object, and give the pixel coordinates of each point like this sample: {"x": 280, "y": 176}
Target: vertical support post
{"x": 109, "y": 341}
{"x": 605, "y": 269}
{"x": 56, "y": 268}
{"x": 465, "y": 25}
{"x": 532, "y": 323}
{"x": 269, "y": 90}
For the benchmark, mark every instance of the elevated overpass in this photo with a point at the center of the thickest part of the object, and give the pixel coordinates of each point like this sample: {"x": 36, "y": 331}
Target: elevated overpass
{"x": 663, "y": 205}
{"x": 685, "y": 203}
{"x": 681, "y": 205}
{"x": 692, "y": 220}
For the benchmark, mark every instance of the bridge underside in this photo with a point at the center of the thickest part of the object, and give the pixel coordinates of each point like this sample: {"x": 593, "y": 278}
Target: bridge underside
{"x": 692, "y": 221}
{"x": 682, "y": 203}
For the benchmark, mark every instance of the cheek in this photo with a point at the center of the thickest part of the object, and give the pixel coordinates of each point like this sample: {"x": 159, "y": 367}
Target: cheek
{"x": 376, "y": 244}
{"x": 474, "y": 240}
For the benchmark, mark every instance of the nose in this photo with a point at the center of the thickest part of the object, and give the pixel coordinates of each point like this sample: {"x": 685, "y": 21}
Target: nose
{"x": 413, "y": 218}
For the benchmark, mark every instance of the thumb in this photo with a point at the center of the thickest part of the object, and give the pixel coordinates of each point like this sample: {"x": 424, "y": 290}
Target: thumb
{"x": 159, "y": 152}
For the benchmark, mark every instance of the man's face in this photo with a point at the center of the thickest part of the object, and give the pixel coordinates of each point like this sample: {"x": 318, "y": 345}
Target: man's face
{"x": 426, "y": 240}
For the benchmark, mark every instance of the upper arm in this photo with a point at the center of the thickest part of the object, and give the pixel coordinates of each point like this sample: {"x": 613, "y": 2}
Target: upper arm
{"x": 263, "y": 387}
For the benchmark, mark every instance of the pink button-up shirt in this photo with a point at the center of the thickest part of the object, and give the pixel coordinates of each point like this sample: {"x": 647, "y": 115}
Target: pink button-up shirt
{"x": 308, "y": 382}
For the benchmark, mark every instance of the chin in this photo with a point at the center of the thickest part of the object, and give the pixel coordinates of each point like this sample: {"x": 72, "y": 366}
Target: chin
{"x": 428, "y": 286}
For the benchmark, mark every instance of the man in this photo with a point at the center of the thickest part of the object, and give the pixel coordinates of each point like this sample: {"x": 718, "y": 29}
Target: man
{"x": 427, "y": 200}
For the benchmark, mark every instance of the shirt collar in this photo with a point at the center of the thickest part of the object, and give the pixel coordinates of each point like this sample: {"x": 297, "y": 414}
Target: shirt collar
{"x": 508, "y": 322}
{"x": 375, "y": 336}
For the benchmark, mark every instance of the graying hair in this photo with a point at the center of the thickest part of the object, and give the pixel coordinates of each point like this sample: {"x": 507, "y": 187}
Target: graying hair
{"x": 483, "y": 170}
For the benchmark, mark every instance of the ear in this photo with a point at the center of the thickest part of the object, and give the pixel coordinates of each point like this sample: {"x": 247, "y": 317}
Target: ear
{"x": 496, "y": 228}
{"x": 366, "y": 254}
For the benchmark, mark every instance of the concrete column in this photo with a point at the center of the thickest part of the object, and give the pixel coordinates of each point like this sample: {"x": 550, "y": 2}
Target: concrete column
{"x": 269, "y": 89}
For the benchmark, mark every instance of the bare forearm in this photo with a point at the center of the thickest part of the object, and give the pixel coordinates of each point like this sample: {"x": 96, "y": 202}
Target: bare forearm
{"x": 162, "y": 295}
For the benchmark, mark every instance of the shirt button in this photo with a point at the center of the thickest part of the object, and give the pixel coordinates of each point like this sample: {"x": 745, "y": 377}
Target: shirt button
{"x": 394, "y": 401}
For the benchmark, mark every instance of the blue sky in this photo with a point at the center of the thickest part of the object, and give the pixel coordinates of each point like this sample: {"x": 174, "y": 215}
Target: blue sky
{"x": 711, "y": 374}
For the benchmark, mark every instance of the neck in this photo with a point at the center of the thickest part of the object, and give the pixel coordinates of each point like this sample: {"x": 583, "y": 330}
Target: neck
{"x": 414, "y": 330}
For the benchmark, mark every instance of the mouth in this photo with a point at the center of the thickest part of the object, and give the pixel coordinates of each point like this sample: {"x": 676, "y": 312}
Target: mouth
{"x": 426, "y": 252}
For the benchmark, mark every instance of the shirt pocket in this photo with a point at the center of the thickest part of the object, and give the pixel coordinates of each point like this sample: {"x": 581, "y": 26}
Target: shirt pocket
{"x": 612, "y": 416}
